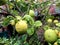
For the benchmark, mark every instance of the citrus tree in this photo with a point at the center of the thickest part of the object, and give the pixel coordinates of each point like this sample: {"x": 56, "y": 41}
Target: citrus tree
{"x": 27, "y": 30}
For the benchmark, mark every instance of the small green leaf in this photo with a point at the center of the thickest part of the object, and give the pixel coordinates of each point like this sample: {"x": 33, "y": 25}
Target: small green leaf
{"x": 30, "y": 31}
{"x": 15, "y": 12}
{"x": 24, "y": 37}
{"x": 46, "y": 27}
{"x": 7, "y": 20}
{"x": 49, "y": 44}
{"x": 16, "y": 44}
{"x": 29, "y": 19}
{"x": 58, "y": 41}
{"x": 38, "y": 24}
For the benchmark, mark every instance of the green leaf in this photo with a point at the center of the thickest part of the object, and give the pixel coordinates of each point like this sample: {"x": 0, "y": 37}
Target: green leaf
{"x": 29, "y": 19}
{"x": 16, "y": 43}
{"x": 58, "y": 41}
{"x": 14, "y": 12}
{"x": 24, "y": 37}
{"x": 49, "y": 44}
{"x": 30, "y": 31}
{"x": 7, "y": 20}
{"x": 26, "y": 43}
{"x": 38, "y": 24}
{"x": 46, "y": 27}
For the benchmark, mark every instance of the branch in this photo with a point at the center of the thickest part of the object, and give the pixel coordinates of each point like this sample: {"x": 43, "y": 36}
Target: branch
{"x": 3, "y": 9}
{"x": 17, "y": 8}
{"x": 6, "y": 14}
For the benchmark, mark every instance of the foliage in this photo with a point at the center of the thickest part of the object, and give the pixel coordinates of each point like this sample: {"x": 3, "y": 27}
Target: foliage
{"x": 21, "y": 8}
{"x": 20, "y": 40}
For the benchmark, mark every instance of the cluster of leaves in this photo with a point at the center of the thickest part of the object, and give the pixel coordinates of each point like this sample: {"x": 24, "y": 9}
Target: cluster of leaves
{"x": 7, "y": 20}
{"x": 22, "y": 40}
{"x": 32, "y": 24}
{"x": 23, "y": 6}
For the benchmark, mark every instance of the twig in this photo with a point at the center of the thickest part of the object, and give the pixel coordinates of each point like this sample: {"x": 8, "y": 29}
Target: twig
{"x": 17, "y": 8}
{"x": 49, "y": 8}
{"x": 3, "y": 9}
{"x": 7, "y": 8}
{"x": 6, "y": 14}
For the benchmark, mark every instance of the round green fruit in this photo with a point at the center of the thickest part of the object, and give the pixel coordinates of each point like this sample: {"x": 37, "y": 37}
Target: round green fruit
{"x": 31, "y": 13}
{"x": 11, "y": 5}
{"x": 21, "y": 26}
{"x": 55, "y": 21}
{"x": 59, "y": 35}
{"x": 12, "y": 22}
{"x": 18, "y": 18}
{"x": 49, "y": 20}
{"x": 56, "y": 31}
{"x": 50, "y": 35}
{"x": 55, "y": 43}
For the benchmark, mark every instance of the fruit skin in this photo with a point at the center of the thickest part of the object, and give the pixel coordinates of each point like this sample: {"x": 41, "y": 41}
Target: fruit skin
{"x": 55, "y": 21}
{"x": 12, "y": 22}
{"x": 49, "y": 20}
{"x": 18, "y": 18}
{"x": 11, "y": 5}
{"x": 50, "y": 35}
{"x": 56, "y": 31}
{"x": 59, "y": 35}
{"x": 55, "y": 43}
{"x": 21, "y": 26}
{"x": 17, "y": 0}
{"x": 31, "y": 13}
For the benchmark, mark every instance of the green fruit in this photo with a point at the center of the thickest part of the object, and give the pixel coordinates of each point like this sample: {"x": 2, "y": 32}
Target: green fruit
{"x": 12, "y": 22}
{"x": 55, "y": 43}
{"x": 55, "y": 21}
{"x": 56, "y": 31}
{"x": 18, "y": 18}
{"x": 38, "y": 23}
{"x": 59, "y": 35}
{"x": 31, "y": 13}
{"x": 49, "y": 20}
{"x": 21, "y": 26}
{"x": 50, "y": 35}
{"x": 11, "y": 5}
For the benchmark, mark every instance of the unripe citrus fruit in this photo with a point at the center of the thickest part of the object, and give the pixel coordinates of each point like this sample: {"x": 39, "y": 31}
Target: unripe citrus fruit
{"x": 18, "y": 18}
{"x": 55, "y": 43}
{"x": 56, "y": 31}
{"x": 55, "y": 21}
{"x": 21, "y": 26}
{"x": 31, "y": 13}
{"x": 50, "y": 35}
{"x": 59, "y": 35}
{"x": 11, "y": 5}
{"x": 49, "y": 20}
{"x": 12, "y": 22}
